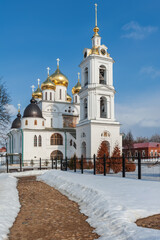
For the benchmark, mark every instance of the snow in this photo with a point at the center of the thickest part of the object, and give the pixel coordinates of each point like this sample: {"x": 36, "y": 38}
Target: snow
{"x": 9, "y": 203}
{"x": 112, "y": 204}
{"x": 9, "y": 199}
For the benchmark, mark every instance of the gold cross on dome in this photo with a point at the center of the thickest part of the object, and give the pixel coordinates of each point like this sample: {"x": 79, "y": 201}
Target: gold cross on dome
{"x": 19, "y": 105}
{"x": 78, "y": 76}
{"x": 33, "y": 87}
{"x": 38, "y": 81}
{"x": 58, "y": 60}
{"x": 48, "y": 70}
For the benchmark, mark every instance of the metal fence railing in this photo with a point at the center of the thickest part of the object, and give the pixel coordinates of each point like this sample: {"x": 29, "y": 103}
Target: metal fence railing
{"x": 130, "y": 167}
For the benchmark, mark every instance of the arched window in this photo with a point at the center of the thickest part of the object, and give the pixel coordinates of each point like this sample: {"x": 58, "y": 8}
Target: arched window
{"x": 71, "y": 142}
{"x": 102, "y": 74}
{"x": 51, "y": 122}
{"x": 42, "y": 123}
{"x": 83, "y": 149}
{"x": 45, "y": 95}
{"x": 40, "y": 141}
{"x": 56, "y": 139}
{"x": 75, "y": 99}
{"x": 85, "y": 108}
{"x": 57, "y": 155}
{"x": 86, "y": 76}
{"x": 103, "y": 107}
{"x": 50, "y": 96}
{"x": 35, "y": 122}
{"x": 35, "y": 141}
{"x": 26, "y": 122}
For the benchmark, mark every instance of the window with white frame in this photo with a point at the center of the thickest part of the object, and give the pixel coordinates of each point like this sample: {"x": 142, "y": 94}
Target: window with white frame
{"x": 143, "y": 153}
{"x": 151, "y": 153}
{"x": 136, "y": 153}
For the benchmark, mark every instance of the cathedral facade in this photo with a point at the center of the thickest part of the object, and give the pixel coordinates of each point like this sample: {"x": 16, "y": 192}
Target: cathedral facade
{"x": 55, "y": 126}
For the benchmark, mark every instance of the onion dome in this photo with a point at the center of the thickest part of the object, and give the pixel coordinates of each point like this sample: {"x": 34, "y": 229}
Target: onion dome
{"x": 69, "y": 98}
{"x": 77, "y": 87}
{"x": 58, "y": 77}
{"x": 38, "y": 93}
{"x": 48, "y": 84}
{"x": 17, "y": 122}
{"x": 32, "y": 110}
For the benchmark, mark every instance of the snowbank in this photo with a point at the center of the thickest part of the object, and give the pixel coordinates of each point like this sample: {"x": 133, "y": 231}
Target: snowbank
{"x": 9, "y": 203}
{"x": 112, "y": 204}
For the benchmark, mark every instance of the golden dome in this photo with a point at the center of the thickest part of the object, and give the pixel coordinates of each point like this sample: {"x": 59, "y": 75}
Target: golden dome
{"x": 59, "y": 78}
{"x": 69, "y": 98}
{"x": 48, "y": 84}
{"x": 37, "y": 93}
{"x": 77, "y": 87}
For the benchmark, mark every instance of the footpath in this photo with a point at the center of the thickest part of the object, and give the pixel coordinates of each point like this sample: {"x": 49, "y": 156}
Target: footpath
{"x": 46, "y": 214}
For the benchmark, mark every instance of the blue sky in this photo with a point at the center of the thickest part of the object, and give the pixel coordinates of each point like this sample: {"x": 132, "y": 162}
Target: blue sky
{"x": 35, "y": 33}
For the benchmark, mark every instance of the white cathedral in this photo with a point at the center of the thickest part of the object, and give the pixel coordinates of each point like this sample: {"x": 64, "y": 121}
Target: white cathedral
{"x": 55, "y": 126}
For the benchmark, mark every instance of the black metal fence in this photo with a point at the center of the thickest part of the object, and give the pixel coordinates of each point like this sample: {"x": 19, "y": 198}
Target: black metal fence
{"x": 131, "y": 167}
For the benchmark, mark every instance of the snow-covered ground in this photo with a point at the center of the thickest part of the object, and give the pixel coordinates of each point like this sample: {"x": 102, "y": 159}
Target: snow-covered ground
{"x": 112, "y": 204}
{"x": 9, "y": 200}
{"x": 9, "y": 203}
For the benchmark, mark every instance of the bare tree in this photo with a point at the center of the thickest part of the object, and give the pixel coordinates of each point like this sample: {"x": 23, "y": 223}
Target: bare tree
{"x": 4, "y": 114}
{"x": 141, "y": 140}
{"x": 128, "y": 140}
{"x": 155, "y": 138}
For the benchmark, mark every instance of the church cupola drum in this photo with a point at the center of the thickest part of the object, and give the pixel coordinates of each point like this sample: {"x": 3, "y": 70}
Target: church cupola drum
{"x": 97, "y": 100}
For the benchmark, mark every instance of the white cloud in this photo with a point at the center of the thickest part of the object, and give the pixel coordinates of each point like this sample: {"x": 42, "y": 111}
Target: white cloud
{"x": 11, "y": 109}
{"x": 142, "y": 117}
{"x": 151, "y": 71}
{"x": 135, "y": 31}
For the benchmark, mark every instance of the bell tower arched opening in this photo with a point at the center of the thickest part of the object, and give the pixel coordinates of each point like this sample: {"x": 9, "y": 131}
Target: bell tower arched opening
{"x": 102, "y": 74}
{"x": 86, "y": 76}
{"x": 103, "y": 107}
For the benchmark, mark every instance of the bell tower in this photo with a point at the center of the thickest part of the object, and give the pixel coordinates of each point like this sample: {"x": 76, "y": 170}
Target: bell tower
{"x": 97, "y": 120}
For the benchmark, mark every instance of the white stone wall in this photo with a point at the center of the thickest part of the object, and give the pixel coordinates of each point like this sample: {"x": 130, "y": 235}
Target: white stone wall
{"x": 31, "y": 123}
{"x": 48, "y": 95}
{"x": 44, "y": 152}
{"x": 63, "y": 96}
{"x": 94, "y": 136}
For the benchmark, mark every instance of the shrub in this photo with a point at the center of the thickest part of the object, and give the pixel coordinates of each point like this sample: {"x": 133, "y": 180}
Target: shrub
{"x": 71, "y": 162}
{"x": 103, "y": 149}
{"x": 116, "y": 160}
{"x": 130, "y": 166}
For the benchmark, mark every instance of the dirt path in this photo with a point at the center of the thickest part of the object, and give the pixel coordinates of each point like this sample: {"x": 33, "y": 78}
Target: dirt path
{"x": 46, "y": 214}
{"x": 149, "y": 222}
